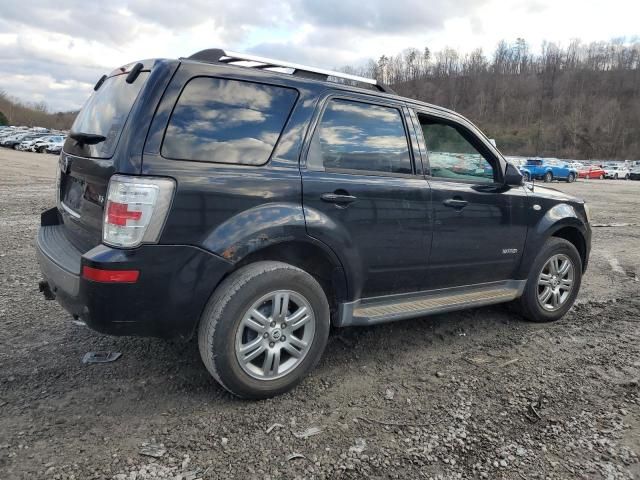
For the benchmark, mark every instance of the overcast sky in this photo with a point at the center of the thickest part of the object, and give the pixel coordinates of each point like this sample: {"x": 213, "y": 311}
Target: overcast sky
{"x": 55, "y": 50}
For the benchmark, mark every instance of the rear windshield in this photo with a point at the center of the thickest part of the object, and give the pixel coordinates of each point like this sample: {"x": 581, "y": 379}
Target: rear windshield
{"x": 105, "y": 114}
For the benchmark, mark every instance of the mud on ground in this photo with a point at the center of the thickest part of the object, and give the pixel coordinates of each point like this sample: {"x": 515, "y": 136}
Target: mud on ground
{"x": 476, "y": 394}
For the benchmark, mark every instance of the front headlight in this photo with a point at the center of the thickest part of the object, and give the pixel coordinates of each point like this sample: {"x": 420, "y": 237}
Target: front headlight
{"x": 587, "y": 211}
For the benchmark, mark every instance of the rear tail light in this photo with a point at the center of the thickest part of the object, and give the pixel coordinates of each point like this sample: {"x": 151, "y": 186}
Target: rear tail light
{"x": 135, "y": 210}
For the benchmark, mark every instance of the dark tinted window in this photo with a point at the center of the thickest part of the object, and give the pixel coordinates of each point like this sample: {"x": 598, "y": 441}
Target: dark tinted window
{"x": 452, "y": 155}
{"x": 227, "y": 121}
{"x": 104, "y": 114}
{"x": 359, "y": 136}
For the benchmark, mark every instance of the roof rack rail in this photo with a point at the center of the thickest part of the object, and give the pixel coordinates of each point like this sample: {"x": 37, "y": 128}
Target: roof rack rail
{"x": 217, "y": 55}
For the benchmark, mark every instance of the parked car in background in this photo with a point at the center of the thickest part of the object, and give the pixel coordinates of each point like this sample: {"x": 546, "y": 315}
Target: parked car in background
{"x": 540, "y": 170}
{"x": 55, "y": 146}
{"x": 617, "y": 172}
{"x": 15, "y": 140}
{"x": 27, "y": 143}
{"x": 591, "y": 171}
{"x": 43, "y": 143}
{"x": 577, "y": 165}
{"x": 634, "y": 174}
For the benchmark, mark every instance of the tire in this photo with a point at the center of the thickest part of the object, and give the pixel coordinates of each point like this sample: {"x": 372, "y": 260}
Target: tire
{"x": 626, "y": 177}
{"x": 548, "y": 177}
{"x": 601, "y": 177}
{"x": 615, "y": 177}
{"x": 224, "y": 329}
{"x": 571, "y": 178}
{"x": 530, "y": 305}
{"x": 527, "y": 176}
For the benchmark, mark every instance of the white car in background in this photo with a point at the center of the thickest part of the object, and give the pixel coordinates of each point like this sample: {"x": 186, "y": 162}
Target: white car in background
{"x": 616, "y": 172}
{"x": 43, "y": 143}
{"x": 56, "y": 146}
{"x": 27, "y": 143}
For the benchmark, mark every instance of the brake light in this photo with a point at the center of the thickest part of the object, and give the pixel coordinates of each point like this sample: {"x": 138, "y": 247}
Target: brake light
{"x": 119, "y": 213}
{"x": 110, "y": 276}
{"x": 136, "y": 208}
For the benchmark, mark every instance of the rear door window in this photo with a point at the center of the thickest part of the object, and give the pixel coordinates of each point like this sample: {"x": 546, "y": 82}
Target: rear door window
{"x": 227, "y": 121}
{"x": 360, "y": 136}
{"x": 105, "y": 113}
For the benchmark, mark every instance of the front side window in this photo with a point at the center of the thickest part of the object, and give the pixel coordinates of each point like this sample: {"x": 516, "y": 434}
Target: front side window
{"x": 451, "y": 155}
{"x": 360, "y": 136}
{"x": 227, "y": 121}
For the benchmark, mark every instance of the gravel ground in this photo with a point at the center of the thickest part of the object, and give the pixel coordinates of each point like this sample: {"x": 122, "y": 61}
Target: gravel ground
{"x": 476, "y": 394}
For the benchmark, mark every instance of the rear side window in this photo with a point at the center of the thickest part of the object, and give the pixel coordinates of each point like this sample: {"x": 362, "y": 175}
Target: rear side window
{"x": 227, "y": 121}
{"x": 360, "y": 136}
{"x": 104, "y": 114}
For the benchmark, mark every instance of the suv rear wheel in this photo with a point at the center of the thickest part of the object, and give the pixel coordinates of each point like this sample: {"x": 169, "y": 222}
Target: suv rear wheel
{"x": 553, "y": 283}
{"x": 571, "y": 178}
{"x": 548, "y": 177}
{"x": 264, "y": 328}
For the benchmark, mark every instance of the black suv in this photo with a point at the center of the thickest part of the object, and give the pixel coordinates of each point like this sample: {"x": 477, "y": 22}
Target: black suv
{"x": 254, "y": 203}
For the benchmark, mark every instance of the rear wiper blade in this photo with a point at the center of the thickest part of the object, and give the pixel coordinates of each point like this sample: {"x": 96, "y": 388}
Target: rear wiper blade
{"x": 87, "y": 138}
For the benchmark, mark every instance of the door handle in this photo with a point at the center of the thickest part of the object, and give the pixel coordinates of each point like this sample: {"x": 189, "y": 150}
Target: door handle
{"x": 339, "y": 198}
{"x": 456, "y": 203}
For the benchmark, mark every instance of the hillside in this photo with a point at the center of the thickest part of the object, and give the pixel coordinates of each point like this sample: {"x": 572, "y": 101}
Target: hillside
{"x": 13, "y": 112}
{"x": 581, "y": 102}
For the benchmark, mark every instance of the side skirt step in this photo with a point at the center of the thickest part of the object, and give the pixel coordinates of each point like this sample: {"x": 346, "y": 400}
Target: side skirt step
{"x": 371, "y": 311}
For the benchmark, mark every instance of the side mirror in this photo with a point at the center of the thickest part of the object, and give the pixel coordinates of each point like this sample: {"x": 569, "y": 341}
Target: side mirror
{"x": 512, "y": 176}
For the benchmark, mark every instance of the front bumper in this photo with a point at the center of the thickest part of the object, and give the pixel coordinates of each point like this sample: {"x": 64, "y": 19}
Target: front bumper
{"x": 167, "y": 300}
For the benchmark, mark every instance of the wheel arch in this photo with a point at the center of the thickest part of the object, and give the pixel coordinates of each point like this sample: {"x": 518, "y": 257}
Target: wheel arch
{"x": 561, "y": 221}
{"x": 574, "y": 236}
{"x": 312, "y": 257}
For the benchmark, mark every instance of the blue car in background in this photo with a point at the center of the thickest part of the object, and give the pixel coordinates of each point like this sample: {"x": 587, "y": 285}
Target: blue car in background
{"x": 540, "y": 170}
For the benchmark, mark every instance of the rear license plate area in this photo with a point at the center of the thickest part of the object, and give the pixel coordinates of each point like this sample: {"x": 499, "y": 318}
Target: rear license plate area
{"x": 73, "y": 192}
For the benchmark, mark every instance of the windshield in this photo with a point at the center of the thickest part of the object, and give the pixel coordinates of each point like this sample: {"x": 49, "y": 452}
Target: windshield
{"x": 105, "y": 114}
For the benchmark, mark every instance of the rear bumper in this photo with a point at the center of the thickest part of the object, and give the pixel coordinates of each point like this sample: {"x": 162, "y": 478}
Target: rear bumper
{"x": 167, "y": 300}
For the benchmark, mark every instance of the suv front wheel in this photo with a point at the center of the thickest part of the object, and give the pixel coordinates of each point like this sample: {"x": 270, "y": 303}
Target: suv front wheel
{"x": 553, "y": 282}
{"x": 264, "y": 328}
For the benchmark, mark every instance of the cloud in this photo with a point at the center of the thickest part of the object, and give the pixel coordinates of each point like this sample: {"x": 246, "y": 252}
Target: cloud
{"x": 381, "y": 17}
{"x": 49, "y": 49}
{"x": 96, "y": 21}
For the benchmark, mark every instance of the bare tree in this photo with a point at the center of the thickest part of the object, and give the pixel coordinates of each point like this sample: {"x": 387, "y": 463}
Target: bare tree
{"x": 582, "y": 101}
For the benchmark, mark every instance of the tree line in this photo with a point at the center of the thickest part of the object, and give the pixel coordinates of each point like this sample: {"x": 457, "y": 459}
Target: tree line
{"x": 14, "y": 112}
{"x": 581, "y": 101}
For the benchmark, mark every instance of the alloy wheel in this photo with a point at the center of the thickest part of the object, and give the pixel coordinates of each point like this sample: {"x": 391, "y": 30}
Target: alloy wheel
{"x": 555, "y": 282}
{"x": 275, "y": 335}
